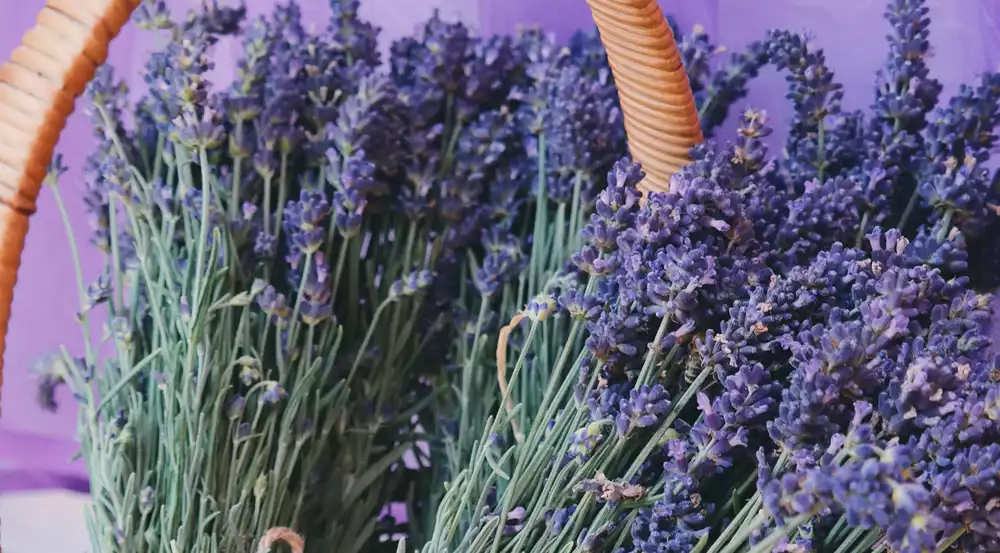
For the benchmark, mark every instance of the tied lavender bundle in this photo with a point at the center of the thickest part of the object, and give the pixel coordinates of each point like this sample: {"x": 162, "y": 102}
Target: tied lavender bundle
{"x": 545, "y": 130}
{"x": 272, "y": 254}
{"x": 775, "y": 355}
{"x": 542, "y": 154}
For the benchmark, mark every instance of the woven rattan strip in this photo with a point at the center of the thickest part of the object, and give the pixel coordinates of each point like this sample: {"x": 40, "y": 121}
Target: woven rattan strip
{"x": 39, "y": 85}
{"x": 660, "y": 116}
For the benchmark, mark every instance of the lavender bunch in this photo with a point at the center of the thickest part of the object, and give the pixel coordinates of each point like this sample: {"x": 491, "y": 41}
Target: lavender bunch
{"x": 530, "y": 157}
{"x": 544, "y": 152}
{"x": 757, "y": 361}
{"x": 270, "y": 291}
{"x": 562, "y": 115}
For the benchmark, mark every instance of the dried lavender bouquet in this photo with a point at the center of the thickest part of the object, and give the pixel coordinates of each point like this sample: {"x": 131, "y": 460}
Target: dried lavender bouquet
{"x": 543, "y": 151}
{"x": 778, "y": 354}
{"x": 270, "y": 257}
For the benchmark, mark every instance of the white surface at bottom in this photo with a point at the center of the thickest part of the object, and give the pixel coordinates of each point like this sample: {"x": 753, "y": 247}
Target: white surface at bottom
{"x": 51, "y": 521}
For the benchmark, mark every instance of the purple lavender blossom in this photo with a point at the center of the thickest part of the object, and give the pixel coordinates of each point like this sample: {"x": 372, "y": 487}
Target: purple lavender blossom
{"x": 305, "y": 221}
{"x": 614, "y": 211}
{"x": 493, "y": 67}
{"x": 348, "y": 207}
{"x": 823, "y": 214}
{"x": 152, "y": 15}
{"x": 357, "y": 38}
{"x": 411, "y": 283}
{"x": 876, "y": 488}
{"x": 675, "y": 278}
{"x": 643, "y": 408}
{"x": 316, "y": 304}
{"x": 814, "y": 94}
{"x": 967, "y": 488}
{"x": 960, "y": 194}
{"x": 748, "y": 400}
{"x": 967, "y": 126}
{"x": 49, "y": 376}
{"x": 904, "y": 91}
{"x": 272, "y": 393}
{"x": 583, "y": 130}
{"x": 673, "y": 524}
{"x": 274, "y": 305}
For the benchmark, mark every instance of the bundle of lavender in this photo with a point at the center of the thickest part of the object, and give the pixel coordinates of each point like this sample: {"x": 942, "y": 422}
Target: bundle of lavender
{"x": 272, "y": 251}
{"x": 543, "y": 154}
{"x": 775, "y": 355}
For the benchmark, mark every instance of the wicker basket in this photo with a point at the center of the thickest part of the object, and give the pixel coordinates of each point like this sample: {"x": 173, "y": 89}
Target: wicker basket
{"x": 56, "y": 59}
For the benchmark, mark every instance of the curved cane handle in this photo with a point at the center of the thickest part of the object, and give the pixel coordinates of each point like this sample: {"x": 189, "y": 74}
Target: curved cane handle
{"x": 38, "y": 86}
{"x": 661, "y": 119}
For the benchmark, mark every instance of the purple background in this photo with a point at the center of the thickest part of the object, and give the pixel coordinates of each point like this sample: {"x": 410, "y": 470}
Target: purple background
{"x": 35, "y": 446}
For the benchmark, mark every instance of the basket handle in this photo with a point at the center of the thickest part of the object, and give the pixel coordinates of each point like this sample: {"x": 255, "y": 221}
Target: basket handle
{"x": 45, "y": 74}
{"x": 39, "y": 85}
{"x": 661, "y": 119}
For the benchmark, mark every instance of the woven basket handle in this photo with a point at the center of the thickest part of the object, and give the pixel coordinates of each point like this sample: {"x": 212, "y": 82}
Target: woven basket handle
{"x": 661, "y": 119}
{"x": 57, "y": 57}
{"x": 39, "y": 85}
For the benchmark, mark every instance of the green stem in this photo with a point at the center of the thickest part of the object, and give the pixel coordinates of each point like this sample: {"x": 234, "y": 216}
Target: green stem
{"x": 945, "y": 226}
{"x": 234, "y": 198}
{"x": 125, "y": 380}
{"x": 556, "y": 253}
{"x": 702, "y": 544}
{"x": 467, "y": 370}
{"x": 859, "y": 239}
{"x": 541, "y": 207}
{"x": 821, "y": 146}
{"x": 735, "y": 525}
{"x": 910, "y": 206}
{"x": 576, "y": 213}
{"x": 645, "y": 375}
{"x": 267, "y": 206}
{"x": 293, "y": 324}
{"x": 206, "y": 198}
{"x": 667, "y": 422}
{"x": 282, "y": 196}
{"x": 407, "y": 263}
{"x": 449, "y": 112}
{"x": 117, "y": 301}
{"x": 772, "y": 539}
{"x": 852, "y": 538}
{"x": 368, "y": 336}
{"x": 835, "y": 532}
{"x": 78, "y": 274}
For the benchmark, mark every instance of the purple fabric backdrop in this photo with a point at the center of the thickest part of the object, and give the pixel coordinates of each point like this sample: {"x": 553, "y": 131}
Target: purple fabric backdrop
{"x": 35, "y": 446}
